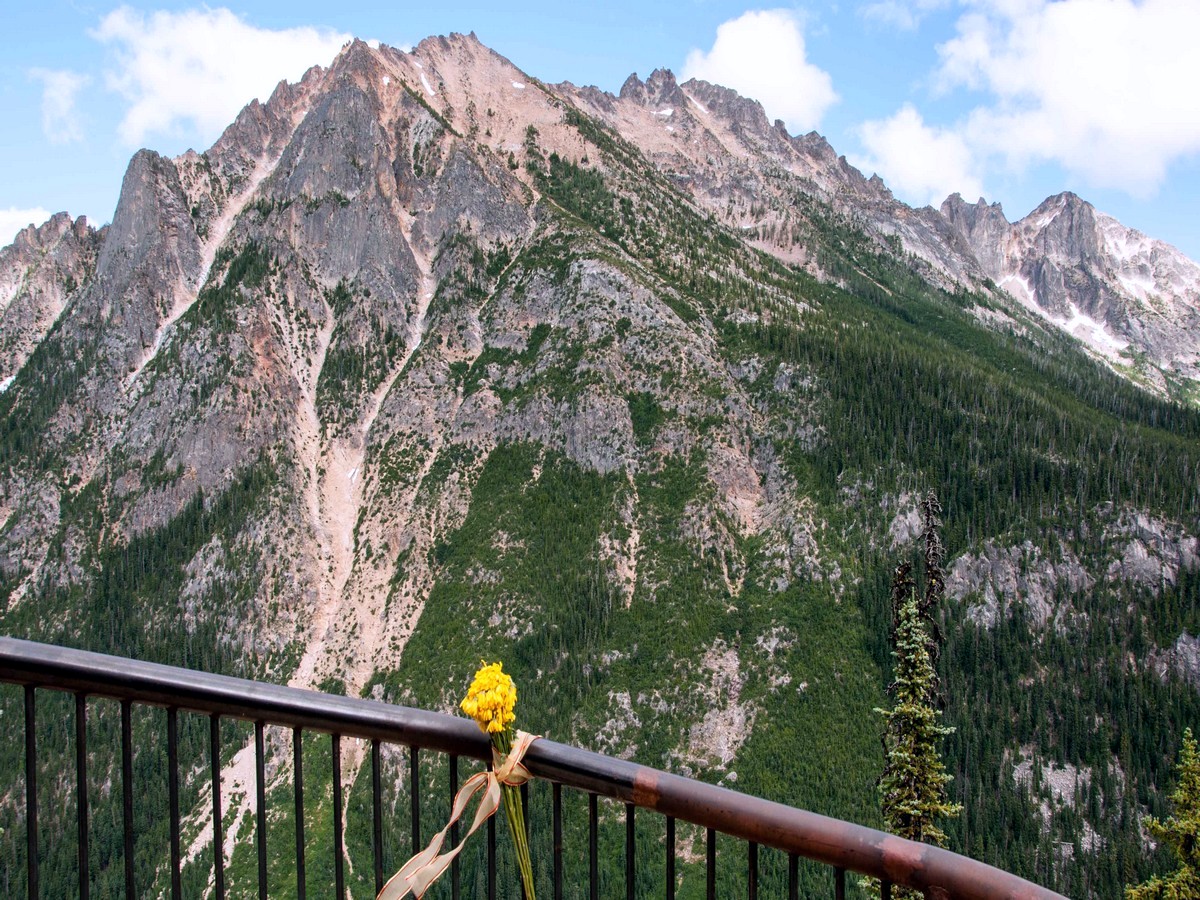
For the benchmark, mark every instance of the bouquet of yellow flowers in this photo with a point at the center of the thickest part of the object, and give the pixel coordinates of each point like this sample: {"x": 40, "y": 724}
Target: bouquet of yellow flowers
{"x": 489, "y": 701}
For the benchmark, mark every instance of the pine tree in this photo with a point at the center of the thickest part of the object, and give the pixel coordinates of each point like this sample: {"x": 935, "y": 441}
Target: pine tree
{"x": 912, "y": 787}
{"x": 1181, "y": 832}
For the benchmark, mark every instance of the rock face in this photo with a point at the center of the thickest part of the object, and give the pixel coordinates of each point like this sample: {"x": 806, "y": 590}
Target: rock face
{"x": 1182, "y": 658}
{"x": 1132, "y": 299}
{"x": 1150, "y": 552}
{"x": 1139, "y": 551}
{"x": 998, "y": 576}
{"x": 783, "y": 193}
{"x": 355, "y": 291}
{"x": 39, "y": 272}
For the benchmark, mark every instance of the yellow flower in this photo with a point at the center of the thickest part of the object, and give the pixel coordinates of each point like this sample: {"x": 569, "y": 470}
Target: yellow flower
{"x": 490, "y": 699}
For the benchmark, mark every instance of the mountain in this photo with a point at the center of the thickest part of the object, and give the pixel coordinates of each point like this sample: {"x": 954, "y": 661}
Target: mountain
{"x": 1133, "y": 300}
{"x": 425, "y": 360}
{"x": 38, "y": 272}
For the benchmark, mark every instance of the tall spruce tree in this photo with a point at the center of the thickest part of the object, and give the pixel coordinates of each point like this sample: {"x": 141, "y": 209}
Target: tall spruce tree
{"x": 1181, "y": 832}
{"x": 912, "y": 787}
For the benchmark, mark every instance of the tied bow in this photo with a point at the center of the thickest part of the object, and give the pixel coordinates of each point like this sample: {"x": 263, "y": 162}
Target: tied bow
{"x": 427, "y": 866}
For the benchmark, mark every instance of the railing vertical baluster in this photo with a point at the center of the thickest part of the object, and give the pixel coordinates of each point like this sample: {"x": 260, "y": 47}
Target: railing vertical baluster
{"x": 630, "y": 850}
{"x": 260, "y": 806}
{"x": 32, "y": 873}
{"x": 81, "y": 793}
{"x": 414, "y": 787}
{"x": 839, "y": 884}
{"x": 524, "y": 789}
{"x": 885, "y": 890}
{"x": 127, "y": 795}
{"x": 794, "y": 877}
{"x": 214, "y": 752}
{"x": 593, "y": 848}
{"x": 525, "y": 806}
{"x": 670, "y": 879}
{"x": 752, "y": 874}
{"x": 298, "y": 781}
{"x": 556, "y": 815}
{"x": 339, "y": 875}
{"x": 455, "y": 874}
{"x": 710, "y": 854}
{"x": 173, "y": 798}
{"x": 377, "y": 812}
{"x": 491, "y": 858}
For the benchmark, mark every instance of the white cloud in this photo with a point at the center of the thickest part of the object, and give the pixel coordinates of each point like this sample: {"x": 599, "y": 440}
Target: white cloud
{"x": 60, "y": 118}
{"x": 13, "y": 220}
{"x": 921, "y": 164}
{"x": 196, "y": 69}
{"x": 761, "y": 54}
{"x": 1105, "y": 88}
{"x": 903, "y": 14}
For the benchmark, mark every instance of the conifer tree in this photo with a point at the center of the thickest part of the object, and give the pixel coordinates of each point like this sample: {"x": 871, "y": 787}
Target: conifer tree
{"x": 1181, "y": 832}
{"x": 912, "y": 787}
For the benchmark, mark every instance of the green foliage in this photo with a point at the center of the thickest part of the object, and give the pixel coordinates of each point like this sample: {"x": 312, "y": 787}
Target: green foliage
{"x": 130, "y": 606}
{"x": 232, "y": 274}
{"x": 50, "y": 377}
{"x": 912, "y": 788}
{"x": 1181, "y": 832}
{"x": 645, "y": 413}
{"x": 364, "y": 349}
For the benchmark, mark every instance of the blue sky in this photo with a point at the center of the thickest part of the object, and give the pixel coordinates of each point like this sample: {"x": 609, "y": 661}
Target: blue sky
{"x": 1012, "y": 99}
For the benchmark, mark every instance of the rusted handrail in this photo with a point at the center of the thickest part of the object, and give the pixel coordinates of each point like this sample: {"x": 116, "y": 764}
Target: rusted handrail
{"x": 936, "y": 872}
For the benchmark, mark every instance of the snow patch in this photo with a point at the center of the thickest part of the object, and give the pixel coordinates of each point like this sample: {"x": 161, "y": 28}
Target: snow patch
{"x": 1047, "y": 217}
{"x": 1091, "y": 332}
{"x": 1120, "y": 242}
{"x": 700, "y": 106}
{"x": 518, "y": 85}
{"x": 665, "y": 113}
{"x": 425, "y": 82}
{"x": 387, "y": 79}
{"x": 7, "y": 383}
{"x": 1079, "y": 325}
{"x": 1026, "y": 294}
{"x": 1137, "y": 283}
{"x": 669, "y": 128}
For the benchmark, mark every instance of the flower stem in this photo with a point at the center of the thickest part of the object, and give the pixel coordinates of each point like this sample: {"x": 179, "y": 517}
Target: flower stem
{"x": 515, "y": 813}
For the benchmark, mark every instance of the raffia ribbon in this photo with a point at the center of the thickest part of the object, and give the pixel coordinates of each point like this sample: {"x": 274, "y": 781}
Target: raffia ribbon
{"x": 427, "y": 866}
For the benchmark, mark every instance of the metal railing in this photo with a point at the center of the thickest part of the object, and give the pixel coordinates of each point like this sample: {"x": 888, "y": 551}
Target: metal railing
{"x": 844, "y": 846}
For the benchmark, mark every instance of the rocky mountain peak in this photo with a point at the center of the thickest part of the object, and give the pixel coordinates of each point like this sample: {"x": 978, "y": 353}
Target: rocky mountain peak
{"x": 39, "y": 273}
{"x": 1131, "y": 300}
{"x": 34, "y": 238}
{"x": 982, "y": 225}
{"x": 742, "y": 113}
{"x": 960, "y": 213}
{"x": 633, "y": 89}
{"x": 660, "y": 91}
{"x": 719, "y": 145}
{"x": 1064, "y": 226}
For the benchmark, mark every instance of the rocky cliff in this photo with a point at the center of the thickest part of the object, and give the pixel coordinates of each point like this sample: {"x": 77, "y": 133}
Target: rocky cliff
{"x": 1131, "y": 299}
